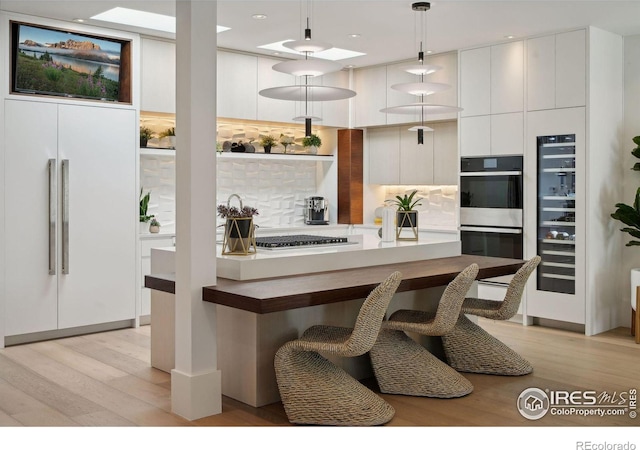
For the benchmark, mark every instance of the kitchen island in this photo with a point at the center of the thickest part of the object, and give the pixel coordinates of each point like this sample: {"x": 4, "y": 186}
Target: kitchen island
{"x": 255, "y": 317}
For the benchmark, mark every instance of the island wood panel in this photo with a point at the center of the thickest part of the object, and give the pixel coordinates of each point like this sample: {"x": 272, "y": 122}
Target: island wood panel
{"x": 284, "y": 293}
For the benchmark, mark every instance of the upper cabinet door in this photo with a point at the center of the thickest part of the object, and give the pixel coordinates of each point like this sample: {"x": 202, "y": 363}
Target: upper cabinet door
{"x": 270, "y": 109}
{"x": 336, "y": 113}
{"x": 507, "y": 77}
{"x": 570, "y": 64}
{"x": 237, "y": 86}
{"x": 475, "y": 82}
{"x": 447, "y": 75}
{"x": 541, "y": 73}
{"x": 396, "y": 75}
{"x": 371, "y": 86}
{"x": 158, "y": 76}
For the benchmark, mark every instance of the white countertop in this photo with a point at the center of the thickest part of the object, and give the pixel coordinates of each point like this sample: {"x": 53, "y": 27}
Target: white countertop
{"x": 365, "y": 250}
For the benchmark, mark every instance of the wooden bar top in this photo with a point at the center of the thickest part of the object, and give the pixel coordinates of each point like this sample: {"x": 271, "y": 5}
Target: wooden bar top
{"x": 298, "y": 291}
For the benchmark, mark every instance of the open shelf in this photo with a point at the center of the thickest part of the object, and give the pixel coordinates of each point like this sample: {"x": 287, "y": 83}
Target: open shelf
{"x": 559, "y": 241}
{"x": 277, "y": 156}
{"x": 157, "y": 151}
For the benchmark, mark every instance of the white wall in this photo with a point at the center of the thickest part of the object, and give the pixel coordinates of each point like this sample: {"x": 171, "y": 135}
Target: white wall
{"x": 631, "y": 180}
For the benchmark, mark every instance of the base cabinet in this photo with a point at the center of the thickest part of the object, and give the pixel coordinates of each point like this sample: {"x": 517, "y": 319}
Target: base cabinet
{"x": 70, "y": 204}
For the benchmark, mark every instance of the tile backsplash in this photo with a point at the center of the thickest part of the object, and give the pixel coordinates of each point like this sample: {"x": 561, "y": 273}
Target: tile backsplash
{"x": 276, "y": 188}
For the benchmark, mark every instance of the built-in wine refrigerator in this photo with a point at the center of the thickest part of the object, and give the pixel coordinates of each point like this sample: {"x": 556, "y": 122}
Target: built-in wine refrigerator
{"x": 556, "y": 213}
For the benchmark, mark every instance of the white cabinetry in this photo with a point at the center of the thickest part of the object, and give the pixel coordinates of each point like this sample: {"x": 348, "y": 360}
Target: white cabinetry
{"x": 475, "y": 82}
{"x": 270, "y": 109}
{"x": 237, "y": 86}
{"x": 396, "y": 158}
{"x": 556, "y": 71}
{"x": 492, "y": 98}
{"x": 70, "y": 215}
{"x": 158, "y": 76}
{"x": 396, "y": 75}
{"x": 507, "y": 78}
{"x": 371, "y": 88}
{"x": 335, "y": 113}
{"x": 384, "y": 155}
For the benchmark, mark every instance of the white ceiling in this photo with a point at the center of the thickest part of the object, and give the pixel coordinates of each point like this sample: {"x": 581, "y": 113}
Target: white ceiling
{"x": 387, "y": 28}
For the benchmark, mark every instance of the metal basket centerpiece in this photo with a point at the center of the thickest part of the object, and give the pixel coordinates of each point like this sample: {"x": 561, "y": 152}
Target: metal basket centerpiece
{"x": 239, "y": 230}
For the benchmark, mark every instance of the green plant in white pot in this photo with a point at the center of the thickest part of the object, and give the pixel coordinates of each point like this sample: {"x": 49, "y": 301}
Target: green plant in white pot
{"x": 630, "y": 216}
{"x": 312, "y": 143}
{"x": 144, "y": 208}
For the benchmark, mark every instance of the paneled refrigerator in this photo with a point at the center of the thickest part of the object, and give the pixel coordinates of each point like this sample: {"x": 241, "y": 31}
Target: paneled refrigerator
{"x": 70, "y": 215}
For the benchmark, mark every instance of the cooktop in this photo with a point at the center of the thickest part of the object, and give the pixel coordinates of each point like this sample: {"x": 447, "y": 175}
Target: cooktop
{"x": 297, "y": 240}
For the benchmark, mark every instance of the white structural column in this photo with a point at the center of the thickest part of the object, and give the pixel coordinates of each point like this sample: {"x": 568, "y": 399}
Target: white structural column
{"x": 196, "y": 389}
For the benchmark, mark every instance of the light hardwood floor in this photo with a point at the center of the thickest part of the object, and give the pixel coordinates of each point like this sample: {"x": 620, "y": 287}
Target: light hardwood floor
{"x": 105, "y": 379}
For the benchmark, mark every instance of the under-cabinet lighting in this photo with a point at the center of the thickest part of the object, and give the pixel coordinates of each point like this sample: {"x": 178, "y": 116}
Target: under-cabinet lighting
{"x": 143, "y": 19}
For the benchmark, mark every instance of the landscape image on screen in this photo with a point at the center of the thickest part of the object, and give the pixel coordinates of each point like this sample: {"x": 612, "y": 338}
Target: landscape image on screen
{"x": 66, "y": 64}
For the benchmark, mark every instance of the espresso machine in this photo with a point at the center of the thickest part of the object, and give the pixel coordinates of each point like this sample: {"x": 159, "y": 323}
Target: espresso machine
{"x": 316, "y": 211}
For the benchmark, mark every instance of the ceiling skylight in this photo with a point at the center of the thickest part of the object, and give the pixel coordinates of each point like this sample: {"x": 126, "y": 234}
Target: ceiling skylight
{"x": 332, "y": 54}
{"x": 142, "y": 19}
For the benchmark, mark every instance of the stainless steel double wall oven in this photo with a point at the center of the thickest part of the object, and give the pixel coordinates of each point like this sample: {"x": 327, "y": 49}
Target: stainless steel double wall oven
{"x": 491, "y": 203}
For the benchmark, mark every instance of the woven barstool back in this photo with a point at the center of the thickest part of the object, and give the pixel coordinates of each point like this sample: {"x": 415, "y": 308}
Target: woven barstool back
{"x": 507, "y": 308}
{"x": 316, "y": 391}
{"x": 446, "y": 314}
{"x": 403, "y": 366}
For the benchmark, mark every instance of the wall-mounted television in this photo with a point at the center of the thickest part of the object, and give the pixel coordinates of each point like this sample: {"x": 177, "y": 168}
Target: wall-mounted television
{"x": 63, "y": 63}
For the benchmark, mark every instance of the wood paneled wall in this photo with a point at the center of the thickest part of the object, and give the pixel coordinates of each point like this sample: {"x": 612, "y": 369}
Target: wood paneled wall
{"x": 350, "y": 176}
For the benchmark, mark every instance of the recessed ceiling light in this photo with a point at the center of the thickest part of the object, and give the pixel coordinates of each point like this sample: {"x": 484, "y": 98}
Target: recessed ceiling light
{"x": 349, "y": 66}
{"x": 354, "y": 35}
{"x": 78, "y": 20}
{"x": 429, "y": 52}
{"x": 275, "y": 53}
{"x": 142, "y": 19}
{"x": 259, "y": 16}
{"x": 509, "y": 36}
{"x": 332, "y": 54}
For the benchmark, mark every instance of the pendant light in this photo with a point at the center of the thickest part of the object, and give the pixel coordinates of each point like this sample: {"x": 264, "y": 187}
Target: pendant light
{"x": 307, "y": 68}
{"x": 421, "y": 88}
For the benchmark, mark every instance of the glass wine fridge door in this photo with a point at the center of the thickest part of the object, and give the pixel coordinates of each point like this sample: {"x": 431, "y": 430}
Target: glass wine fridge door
{"x": 557, "y": 213}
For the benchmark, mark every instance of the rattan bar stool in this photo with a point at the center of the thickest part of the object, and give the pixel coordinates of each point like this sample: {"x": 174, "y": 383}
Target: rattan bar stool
{"x": 403, "y": 366}
{"x": 469, "y": 348}
{"x": 316, "y": 391}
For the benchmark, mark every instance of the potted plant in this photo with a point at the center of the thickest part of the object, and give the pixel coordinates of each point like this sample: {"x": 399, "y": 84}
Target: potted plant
{"x": 145, "y": 135}
{"x": 170, "y": 133}
{"x": 154, "y": 226}
{"x": 406, "y": 216}
{"x": 144, "y": 207}
{"x": 630, "y": 216}
{"x": 285, "y": 141}
{"x": 312, "y": 143}
{"x": 267, "y": 142}
{"x": 239, "y": 230}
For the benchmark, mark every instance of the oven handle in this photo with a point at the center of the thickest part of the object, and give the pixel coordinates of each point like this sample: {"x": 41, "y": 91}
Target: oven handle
{"x": 490, "y": 174}
{"x": 492, "y": 230}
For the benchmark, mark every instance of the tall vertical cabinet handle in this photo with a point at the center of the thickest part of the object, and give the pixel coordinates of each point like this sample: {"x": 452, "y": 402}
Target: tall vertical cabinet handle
{"x": 53, "y": 213}
{"x": 65, "y": 216}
